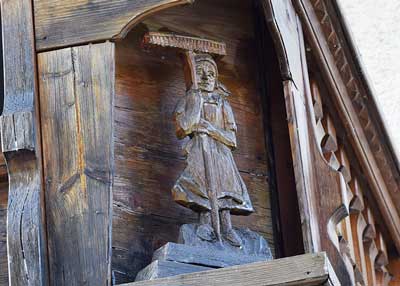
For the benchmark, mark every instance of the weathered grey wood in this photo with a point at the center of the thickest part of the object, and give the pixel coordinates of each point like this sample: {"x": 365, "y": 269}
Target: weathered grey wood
{"x": 17, "y": 131}
{"x": 65, "y": 23}
{"x": 77, "y": 92}
{"x": 19, "y": 135}
{"x": 253, "y": 244}
{"x": 19, "y": 75}
{"x": 308, "y": 269}
{"x": 197, "y": 255}
{"x": 24, "y": 226}
{"x": 160, "y": 269}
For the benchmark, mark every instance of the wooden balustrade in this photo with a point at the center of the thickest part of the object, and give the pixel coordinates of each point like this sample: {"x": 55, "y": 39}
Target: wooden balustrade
{"x": 361, "y": 244}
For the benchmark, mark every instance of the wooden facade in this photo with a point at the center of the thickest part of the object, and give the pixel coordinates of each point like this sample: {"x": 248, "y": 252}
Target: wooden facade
{"x": 90, "y": 152}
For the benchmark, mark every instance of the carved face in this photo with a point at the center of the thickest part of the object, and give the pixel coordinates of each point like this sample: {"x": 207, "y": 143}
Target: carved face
{"x": 206, "y": 75}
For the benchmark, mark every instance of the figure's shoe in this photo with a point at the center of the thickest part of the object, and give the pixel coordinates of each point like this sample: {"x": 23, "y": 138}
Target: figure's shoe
{"x": 206, "y": 232}
{"x": 232, "y": 237}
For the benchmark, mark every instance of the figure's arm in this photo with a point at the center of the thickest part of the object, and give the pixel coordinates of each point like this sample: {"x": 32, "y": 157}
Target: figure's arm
{"x": 226, "y": 135}
{"x": 187, "y": 114}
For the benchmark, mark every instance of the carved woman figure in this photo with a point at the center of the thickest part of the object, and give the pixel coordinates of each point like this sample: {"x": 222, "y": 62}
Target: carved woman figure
{"x": 211, "y": 183}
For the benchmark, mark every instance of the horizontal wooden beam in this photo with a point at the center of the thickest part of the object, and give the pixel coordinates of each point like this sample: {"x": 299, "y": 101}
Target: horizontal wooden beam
{"x": 307, "y": 269}
{"x": 60, "y": 23}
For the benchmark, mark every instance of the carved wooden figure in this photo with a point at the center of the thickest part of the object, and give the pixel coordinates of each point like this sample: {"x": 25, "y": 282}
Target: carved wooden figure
{"x": 211, "y": 183}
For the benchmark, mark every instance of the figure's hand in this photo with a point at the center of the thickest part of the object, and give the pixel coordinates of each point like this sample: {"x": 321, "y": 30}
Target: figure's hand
{"x": 200, "y": 128}
{"x": 206, "y": 125}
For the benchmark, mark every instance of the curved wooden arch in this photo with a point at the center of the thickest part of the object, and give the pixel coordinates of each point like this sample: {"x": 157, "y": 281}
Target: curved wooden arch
{"x": 60, "y": 23}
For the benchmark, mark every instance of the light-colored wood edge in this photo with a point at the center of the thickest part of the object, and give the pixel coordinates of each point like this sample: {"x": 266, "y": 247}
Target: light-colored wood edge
{"x": 307, "y": 269}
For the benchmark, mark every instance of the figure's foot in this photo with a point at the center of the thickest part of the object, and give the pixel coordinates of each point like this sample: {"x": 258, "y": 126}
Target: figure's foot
{"x": 206, "y": 232}
{"x": 232, "y": 237}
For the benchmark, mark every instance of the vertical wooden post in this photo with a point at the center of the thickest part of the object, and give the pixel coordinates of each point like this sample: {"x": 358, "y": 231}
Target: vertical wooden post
{"x": 77, "y": 93}
{"x": 20, "y": 143}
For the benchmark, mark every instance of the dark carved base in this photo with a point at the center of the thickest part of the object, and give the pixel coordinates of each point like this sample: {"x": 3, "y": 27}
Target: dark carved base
{"x": 252, "y": 242}
{"x": 192, "y": 254}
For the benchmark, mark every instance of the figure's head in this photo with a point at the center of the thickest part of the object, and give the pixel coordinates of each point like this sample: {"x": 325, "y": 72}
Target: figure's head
{"x": 206, "y": 72}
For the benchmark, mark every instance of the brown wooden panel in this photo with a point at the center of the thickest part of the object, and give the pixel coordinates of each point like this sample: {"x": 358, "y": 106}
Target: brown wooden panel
{"x": 76, "y": 92}
{"x": 301, "y": 270}
{"x": 20, "y": 144}
{"x": 60, "y": 23}
{"x": 149, "y": 157}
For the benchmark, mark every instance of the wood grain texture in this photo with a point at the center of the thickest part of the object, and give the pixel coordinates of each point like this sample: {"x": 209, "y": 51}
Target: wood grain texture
{"x": 19, "y": 135}
{"x": 61, "y": 23}
{"x": 3, "y": 234}
{"x": 19, "y": 76}
{"x": 149, "y": 157}
{"x": 77, "y": 93}
{"x": 286, "y": 32}
{"x": 24, "y": 224}
{"x": 348, "y": 97}
{"x": 321, "y": 189}
{"x": 308, "y": 269}
{"x": 284, "y": 202}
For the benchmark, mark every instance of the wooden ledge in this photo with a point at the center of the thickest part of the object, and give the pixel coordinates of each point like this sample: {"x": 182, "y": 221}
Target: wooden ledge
{"x": 307, "y": 269}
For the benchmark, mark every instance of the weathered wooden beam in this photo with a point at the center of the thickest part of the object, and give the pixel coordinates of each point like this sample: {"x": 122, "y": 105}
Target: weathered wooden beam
{"x": 60, "y": 23}
{"x": 285, "y": 27}
{"x": 21, "y": 147}
{"x": 77, "y": 93}
{"x": 308, "y": 269}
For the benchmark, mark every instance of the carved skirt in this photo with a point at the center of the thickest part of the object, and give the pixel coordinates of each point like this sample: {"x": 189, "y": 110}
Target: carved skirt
{"x": 223, "y": 178}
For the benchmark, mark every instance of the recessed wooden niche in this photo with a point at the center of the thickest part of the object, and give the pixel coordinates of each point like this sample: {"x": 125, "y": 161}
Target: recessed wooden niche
{"x": 149, "y": 157}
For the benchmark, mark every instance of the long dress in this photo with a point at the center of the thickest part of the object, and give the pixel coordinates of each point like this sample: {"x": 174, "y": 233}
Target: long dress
{"x": 190, "y": 189}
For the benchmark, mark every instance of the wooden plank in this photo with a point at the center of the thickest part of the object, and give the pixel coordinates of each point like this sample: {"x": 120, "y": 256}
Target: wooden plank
{"x": 20, "y": 138}
{"x": 60, "y": 23}
{"x": 76, "y": 92}
{"x": 286, "y": 31}
{"x": 308, "y": 269}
